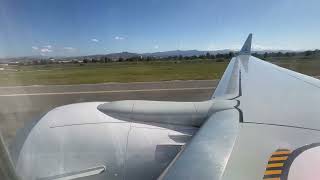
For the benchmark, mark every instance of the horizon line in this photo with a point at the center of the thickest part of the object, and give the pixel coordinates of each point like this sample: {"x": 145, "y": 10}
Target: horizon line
{"x": 142, "y": 53}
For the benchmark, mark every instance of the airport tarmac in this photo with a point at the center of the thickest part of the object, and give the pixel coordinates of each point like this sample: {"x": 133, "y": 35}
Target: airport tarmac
{"x": 21, "y": 104}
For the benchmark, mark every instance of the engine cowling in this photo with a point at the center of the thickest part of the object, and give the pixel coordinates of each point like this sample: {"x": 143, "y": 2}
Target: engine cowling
{"x": 78, "y": 140}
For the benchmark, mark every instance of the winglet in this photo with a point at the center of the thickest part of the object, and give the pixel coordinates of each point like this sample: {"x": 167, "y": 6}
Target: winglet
{"x": 246, "y": 48}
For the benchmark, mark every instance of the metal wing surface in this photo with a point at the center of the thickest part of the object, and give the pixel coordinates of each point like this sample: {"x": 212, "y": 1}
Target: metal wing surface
{"x": 277, "y": 109}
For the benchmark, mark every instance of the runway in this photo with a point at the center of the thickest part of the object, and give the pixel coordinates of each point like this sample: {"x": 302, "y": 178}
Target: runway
{"x": 21, "y": 104}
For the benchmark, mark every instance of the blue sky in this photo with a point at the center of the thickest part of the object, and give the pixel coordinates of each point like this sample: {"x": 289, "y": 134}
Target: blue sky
{"x": 77, "y": 27}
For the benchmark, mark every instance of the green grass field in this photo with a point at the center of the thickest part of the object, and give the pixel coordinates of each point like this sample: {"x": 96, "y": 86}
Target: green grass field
{"x": 135, "y": 72}
{"x": 110, "y": 72}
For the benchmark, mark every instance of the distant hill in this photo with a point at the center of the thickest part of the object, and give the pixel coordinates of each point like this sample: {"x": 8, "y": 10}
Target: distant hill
{"x": 186, "y": 53}
{"x": 124, "y": 55}
{"x": 274, "y": 51}
{"x": 176, "y": 53}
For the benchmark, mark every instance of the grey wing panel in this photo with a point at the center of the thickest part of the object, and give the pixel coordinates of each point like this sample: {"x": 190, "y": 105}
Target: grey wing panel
{"x": 277, "y": 96}
{"x": 206, "y": 156}
{"x": 255, "y": 145}
{"x": 270, "y": 94}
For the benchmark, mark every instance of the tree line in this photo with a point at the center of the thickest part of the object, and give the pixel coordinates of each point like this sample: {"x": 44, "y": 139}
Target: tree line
{"x": 287, "y": 54}
{"x": 219, "y": 57}
{"x": 208, "y": 56}
{"x": 155, "y": 58}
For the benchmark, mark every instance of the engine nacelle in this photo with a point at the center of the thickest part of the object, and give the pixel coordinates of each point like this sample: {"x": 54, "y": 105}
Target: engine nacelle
{"x": 78, "y": 140}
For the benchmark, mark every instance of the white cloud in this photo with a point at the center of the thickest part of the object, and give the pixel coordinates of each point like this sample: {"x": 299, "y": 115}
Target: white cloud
{"x": 94, "y": 40}
{"x": 69, "y": 48}
{"x": 237, "y": 47}
{"x": 48, "y": 46}
{"x": 258, "y": 47}
{"x": 156, "y": 47}
{"x": 119, "y": 38}
{"x": 45, "y": 50}
{"x": 231, "y": 46}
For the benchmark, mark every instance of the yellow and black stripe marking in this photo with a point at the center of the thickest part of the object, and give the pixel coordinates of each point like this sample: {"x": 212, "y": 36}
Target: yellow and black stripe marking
{"x": 275, "y": 164}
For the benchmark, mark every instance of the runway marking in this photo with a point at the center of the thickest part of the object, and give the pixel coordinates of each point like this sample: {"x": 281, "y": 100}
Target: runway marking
{"x": 101, "y": 92}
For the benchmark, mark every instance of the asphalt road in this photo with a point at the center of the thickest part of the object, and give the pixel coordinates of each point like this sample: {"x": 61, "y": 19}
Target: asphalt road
{"x": 21, "y": 104}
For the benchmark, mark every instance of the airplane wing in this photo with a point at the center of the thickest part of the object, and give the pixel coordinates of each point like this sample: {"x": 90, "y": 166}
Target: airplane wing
{"x": 277, "y": 115}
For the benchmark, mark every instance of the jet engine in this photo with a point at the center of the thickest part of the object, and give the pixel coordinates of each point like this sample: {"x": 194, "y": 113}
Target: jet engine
{"x": 117, "y": 140}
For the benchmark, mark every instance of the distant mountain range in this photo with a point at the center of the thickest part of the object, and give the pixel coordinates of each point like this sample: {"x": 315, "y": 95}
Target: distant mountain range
{"x": 176, "y": 53}
{"x": 126, "y": 55}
